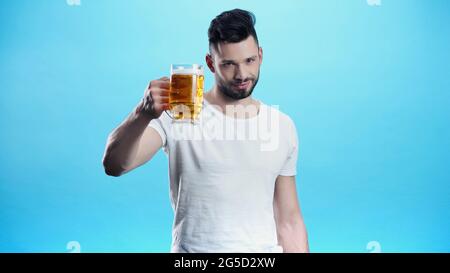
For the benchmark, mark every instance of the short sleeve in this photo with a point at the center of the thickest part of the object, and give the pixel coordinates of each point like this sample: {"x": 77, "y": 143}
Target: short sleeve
{"x": 160, "y": 125}
{"x": 290, "y": 165}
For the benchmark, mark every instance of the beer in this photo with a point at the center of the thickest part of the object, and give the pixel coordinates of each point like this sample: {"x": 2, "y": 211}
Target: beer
{"x": 186, "y": 92}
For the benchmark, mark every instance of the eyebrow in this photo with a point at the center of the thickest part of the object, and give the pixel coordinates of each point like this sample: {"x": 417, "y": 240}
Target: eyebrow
{"x": 233, "y": 61}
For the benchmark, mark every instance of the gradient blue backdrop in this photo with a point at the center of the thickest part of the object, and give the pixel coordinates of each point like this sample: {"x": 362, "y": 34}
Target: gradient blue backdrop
{"x": 367, "y": 86}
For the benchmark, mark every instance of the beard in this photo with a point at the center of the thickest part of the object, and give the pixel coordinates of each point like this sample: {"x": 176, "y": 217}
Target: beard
{"x": 230, "y": 90}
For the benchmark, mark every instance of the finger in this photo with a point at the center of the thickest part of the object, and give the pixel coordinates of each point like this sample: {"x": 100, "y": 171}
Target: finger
{"x": 166, "y": 106}
{"x": 159, "y": 92}
{"x": 164, "y": 84}
{"x": 164, "y": 81}
{"x": 163, "y": 100}
{"x": 162, "y": 107}
{"x": 164, "y": 92}
{"x": 160, "y": 85}
{"x": 159, "y": 96}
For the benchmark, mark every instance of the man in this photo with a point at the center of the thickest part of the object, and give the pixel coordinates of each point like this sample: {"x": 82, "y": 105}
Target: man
{"x": 229, "y": 193}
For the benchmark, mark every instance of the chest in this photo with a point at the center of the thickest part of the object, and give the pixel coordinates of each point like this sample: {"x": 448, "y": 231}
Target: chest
{"x": 224, "y": 155}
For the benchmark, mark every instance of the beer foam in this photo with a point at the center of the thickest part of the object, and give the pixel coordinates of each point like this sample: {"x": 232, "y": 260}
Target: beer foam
{"x": 188, "y": 71}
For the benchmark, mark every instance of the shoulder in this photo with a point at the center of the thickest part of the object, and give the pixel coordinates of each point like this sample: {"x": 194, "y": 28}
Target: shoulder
{"x": 273, "y": 111}
{"x": 283, "y": 124}
{"x": 164, "y": 120}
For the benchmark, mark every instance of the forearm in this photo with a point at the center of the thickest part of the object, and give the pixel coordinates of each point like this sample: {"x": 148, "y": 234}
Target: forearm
{"x": 123, "y": 142}
{"x": 292, "y": 236}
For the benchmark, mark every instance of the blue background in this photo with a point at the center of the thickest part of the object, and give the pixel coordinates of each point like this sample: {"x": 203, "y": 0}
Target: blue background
{"x": 367, "y": 86}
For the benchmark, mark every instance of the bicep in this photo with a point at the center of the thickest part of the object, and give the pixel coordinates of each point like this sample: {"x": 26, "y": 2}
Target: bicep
{"x": 149, "y": 144}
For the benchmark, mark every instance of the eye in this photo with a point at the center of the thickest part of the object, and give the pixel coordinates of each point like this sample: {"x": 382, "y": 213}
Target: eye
{"x": 250, "y": 60}
{"x": 227, "y": 64}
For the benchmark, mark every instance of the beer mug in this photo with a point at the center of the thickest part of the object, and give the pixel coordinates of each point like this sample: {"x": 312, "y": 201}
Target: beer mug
{"x": 186, "y": 92}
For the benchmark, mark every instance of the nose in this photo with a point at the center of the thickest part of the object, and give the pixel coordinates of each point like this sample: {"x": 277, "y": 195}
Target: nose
{"x": 240, "y": 74}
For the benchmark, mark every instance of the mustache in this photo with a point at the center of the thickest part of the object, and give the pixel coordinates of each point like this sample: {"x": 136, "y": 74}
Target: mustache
{"x": 242, "y": 81}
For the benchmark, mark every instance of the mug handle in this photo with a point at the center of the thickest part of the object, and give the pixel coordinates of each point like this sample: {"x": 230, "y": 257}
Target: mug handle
{"x": 168, "y": 112}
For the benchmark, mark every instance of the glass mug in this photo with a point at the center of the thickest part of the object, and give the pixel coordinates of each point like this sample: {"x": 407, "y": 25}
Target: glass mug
{"x": 186, "y": 92}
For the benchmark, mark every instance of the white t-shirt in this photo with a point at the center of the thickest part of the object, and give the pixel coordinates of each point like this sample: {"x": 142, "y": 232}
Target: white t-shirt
{"x": 222, "y": 176}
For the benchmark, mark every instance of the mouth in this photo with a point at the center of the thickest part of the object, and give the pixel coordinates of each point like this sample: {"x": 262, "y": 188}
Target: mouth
{"x": 242, "y": 86}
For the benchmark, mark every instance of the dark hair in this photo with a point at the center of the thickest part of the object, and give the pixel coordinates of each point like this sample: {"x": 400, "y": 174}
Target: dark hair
{"x": 232, "y": 26}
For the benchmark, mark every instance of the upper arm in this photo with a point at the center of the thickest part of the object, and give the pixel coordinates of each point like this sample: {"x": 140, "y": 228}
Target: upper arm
{"x": 286, "y": 204}
{"x": 291, "y": 230}
{"x": 149, "y": 144}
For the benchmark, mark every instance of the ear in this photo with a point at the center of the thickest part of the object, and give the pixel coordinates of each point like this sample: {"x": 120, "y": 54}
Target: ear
{"x": 209, "y": 62}
{"x": 260, "y": 53}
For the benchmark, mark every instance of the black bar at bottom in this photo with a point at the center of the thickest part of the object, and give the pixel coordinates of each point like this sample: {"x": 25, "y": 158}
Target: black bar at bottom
{"x": 223, "y": 262}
